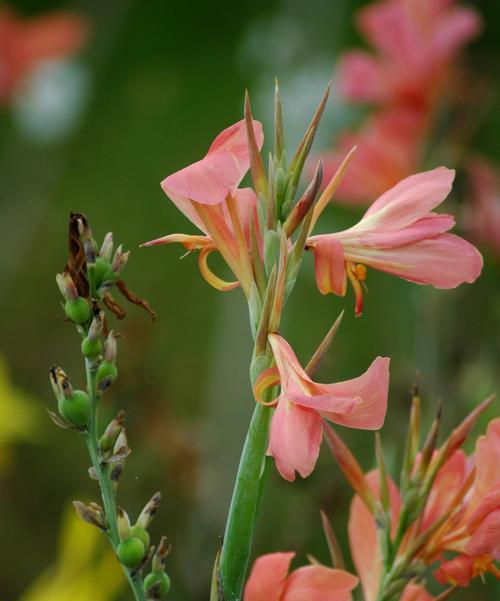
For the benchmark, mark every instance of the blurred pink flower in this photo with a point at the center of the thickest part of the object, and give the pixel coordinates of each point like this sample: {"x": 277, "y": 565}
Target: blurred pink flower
{"x": 24, "y": 43}
{"x": 270, "y": 581}
{"x": 415, "y": 42}
{"x": 388, "y": 150}
{"x": 296, "y": 427}
{"x": 398, "y": 234}
{"x": 207, "y": 193}
{"x": 482, "y": 212}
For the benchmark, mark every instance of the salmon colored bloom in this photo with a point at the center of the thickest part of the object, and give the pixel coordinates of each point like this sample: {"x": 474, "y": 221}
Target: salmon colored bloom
{"x": 296, "y": 427}
{"x": 388, "y": 149}
{"x": 470, "y": 487}
{"x": 270, "y": 581}
{"x": 416, "y": 42}
{"x": 207, "y": 193}
{"x": 399, "y": 234}
{"x": 482, "y": 212}
{"x": 24, "y": 43}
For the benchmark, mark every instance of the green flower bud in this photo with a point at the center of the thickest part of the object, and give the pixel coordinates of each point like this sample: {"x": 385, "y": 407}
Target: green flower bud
{"x": 141, "y": 534}
{"x": 76, "y": 408}
{"x": 157, "y": 585}
{"x": 78, "y": 310}
{"x": 103, "y": 272}
{"x": 106, "y": 375}
{"x": 131, "y": 552}
{"x": 91, "y": 348}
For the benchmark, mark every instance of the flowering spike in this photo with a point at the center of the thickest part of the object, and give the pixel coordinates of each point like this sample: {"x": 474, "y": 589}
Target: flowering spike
{"x": 304, "y": 204}
{"x": 331, "y": 188}
{"x": 332, "y": 542}
{"x": 279, "y": 136}
{"x": 350, "y": 467}
{"x": 256, "y": 164}
{"x": 322, "y": 349}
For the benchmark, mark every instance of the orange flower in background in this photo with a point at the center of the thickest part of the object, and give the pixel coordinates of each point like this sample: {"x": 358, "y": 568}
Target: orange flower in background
{"x": 24, "y": 43}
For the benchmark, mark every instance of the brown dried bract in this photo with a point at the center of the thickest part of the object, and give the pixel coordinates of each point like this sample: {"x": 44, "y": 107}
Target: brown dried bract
{"x": 132, "y": 298}
{"x": 77, "y": 265}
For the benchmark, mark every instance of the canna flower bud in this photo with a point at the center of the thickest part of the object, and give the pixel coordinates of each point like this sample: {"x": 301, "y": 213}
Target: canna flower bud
{"x": 92, "y": 345}
{"x": 123, "y": 522}
{"x": 146, "y": 516}
{"x": 160, "y": 555}
{"x": 107, "y": 372}
{"x": 85, "y": 233}
{"x": 107, "y": 247}
{"x": 67, "y": 286}
{"x": 119, "y": 260}
{"x": 92, "y": 514}
{"x": 112, "y": 432}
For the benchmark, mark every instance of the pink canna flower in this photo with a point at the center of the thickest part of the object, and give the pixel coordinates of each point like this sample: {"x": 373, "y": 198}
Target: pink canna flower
{"x": 474, "y": 532}
{"x": 270, "y": 581}
{"x": 399, "y": 234}
{"x": 296, "y": 427}
{"x": 482, "y": 212}
{"x": 389, "y": 147}
{"x": 207, "y": 193}
{"x": 416, "y": 42}
{"x": 24, "y": 43}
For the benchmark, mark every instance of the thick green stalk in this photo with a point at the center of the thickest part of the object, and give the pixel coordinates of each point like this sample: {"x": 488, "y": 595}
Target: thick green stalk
{"x": 105, "y": 484}
{"x": 240, "y": 524}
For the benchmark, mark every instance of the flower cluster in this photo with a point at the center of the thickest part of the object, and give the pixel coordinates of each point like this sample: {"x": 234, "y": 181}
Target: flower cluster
{"x": 262, "y": 234}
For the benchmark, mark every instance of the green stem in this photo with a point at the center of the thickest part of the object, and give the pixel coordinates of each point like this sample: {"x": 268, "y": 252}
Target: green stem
{"x": 105, "y": 484}
{"x": 242, "y": 516}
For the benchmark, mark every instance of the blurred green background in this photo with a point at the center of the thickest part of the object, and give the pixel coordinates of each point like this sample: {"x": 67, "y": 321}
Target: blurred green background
{"x": 153, "y": 86}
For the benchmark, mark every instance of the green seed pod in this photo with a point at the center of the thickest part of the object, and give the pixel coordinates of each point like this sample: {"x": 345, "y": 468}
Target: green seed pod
{"x": 131, "y": 552}
{"x": 77, "y": 310}
{"x": 106, "y": 375}
{"x": 103, "y": 272}
{"x": 141, "y": 534}
{"x": 91, "y": 348}
{"x": 76, "y": 408}
{"x": 157, "y": 584}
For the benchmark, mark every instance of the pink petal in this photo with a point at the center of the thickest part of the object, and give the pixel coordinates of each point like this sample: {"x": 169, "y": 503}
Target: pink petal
{"x": 414, "y": 592}
{"x": 329, "y": 264}
{"x": 457, "y": 27}
{"x": 458, "y": 570}
{"x": 371, "y": 388}
{"x": 426, "y": 227}
{"x": 360, "y": 77}
{"x": 363, "y": 537}
{"x": 486, "y": 539}
{"x": 210, "y": 180}
{"x": 447, "y": 484}
{"x": 409, "y": 200}
{"x": 487, "y": 455}
{"x": 319, "y": 583}
{"x": 292, "y": 374}
{"x": 267, "y": 578}
{"x": 294, "y": 439}
{"x": 188, "y": 241}
{"x": 444, "y": 261}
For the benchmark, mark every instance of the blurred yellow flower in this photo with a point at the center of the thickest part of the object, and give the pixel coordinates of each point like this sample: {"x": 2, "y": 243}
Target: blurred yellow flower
{"x": 19, "y": 415}
{"x": 85, "y": 570}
